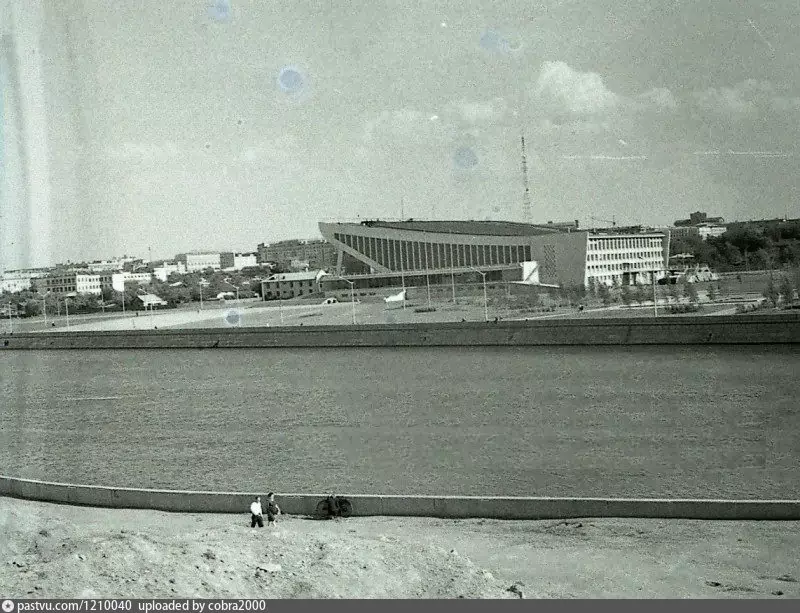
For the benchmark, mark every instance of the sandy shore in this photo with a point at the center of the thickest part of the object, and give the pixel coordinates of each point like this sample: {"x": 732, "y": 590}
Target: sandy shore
{"x": 49, "y": 551}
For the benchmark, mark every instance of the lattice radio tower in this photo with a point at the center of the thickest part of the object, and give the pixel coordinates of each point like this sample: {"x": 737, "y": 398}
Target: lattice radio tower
{"x": 526, "y": 197}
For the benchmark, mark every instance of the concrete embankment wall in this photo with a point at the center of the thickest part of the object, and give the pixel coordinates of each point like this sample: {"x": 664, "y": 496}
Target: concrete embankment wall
{"x": 422, "y": 506}
{"x": 741, "y": 329}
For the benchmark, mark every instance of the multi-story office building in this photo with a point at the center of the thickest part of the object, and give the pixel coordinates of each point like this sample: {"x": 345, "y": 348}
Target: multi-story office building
{"x": 70, "y": 283}
{"x": 703, "y": 230}
{"x": 118, "y": 280}
{"x": 163, "y": 272}
{"x": 15, "y": 281}
{"x": 318, "y": 253}
{"x": 197, "y": 262}
{"x": 237, "y": 261}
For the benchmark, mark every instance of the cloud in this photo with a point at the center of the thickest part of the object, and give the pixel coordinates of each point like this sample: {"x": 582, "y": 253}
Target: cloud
{"x": 614, "y": 158}
{"x": 748, "y": 99}
{"x": 473, "y": 112}
{"x": 143, "y": 151}
{"x": 562, "y": 89}
{"x": 658, "y": 98}
{"x": 406, "y": 124}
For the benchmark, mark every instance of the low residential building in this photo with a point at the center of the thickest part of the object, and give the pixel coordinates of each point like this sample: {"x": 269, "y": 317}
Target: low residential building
{"x": 119, "y": 279}
{"x": 151, "y": 301}
{"x": 163, "y": 272}
{"x": 237, "y": 261}
{"x": 697, "y": 218}
{"x": 286, "y": 285}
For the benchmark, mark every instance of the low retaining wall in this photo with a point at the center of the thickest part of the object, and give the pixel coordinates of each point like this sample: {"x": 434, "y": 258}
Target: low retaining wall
{"x": 423, "y": 506}
{"x": 702, "y": 330}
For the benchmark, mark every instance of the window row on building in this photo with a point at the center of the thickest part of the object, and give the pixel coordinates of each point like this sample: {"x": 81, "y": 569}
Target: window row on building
{"x": 416, "y": 255}
{"x": 607, "y": 243}
{"x": 630, "y": 255}
{"x": 625, "y": 266}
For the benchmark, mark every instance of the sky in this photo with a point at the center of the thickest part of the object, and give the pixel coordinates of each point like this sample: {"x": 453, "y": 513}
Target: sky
{"x": 213, "y": 124}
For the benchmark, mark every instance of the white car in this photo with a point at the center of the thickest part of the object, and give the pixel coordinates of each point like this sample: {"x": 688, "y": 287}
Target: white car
{"x": 330, "y": 301}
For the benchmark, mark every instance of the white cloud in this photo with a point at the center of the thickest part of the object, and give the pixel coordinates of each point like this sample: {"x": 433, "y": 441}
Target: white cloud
{"x": 485, "y": 111}
{"x": 658, "y": 98}
{"x": 406, "y": 124}
{"x": 562, "y": 89}
{"x": 143, "y": 151}
{"x": 749, "y": 98}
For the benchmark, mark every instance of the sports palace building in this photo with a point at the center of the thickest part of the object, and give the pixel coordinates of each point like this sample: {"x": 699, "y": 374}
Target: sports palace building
{"x": 375, "y": 254}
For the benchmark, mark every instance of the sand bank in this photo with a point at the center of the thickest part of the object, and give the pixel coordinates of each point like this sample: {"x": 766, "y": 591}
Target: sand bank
{"x": 60, "y": 551}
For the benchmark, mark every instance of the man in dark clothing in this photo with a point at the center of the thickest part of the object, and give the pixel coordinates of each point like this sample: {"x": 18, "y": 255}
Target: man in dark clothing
{"x": 273, "y": 510}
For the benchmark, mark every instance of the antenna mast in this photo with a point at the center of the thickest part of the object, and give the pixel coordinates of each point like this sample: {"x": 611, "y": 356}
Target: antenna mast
{"x": 526, "y": 198}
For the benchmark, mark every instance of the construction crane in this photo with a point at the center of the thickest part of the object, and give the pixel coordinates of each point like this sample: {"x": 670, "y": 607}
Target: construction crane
{"x": 612, "y": 221}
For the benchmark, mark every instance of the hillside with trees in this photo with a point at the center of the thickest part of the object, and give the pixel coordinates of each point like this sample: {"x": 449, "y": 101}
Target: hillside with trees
{"x": 746, "y": 247}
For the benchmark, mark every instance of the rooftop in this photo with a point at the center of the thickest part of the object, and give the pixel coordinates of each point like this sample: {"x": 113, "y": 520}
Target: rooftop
{"x": 485, "y": 228}
{"x": 296, "y": 276}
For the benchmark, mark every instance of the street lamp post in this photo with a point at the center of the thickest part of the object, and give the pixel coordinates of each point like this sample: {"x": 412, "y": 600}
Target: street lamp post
{"x": 352, "y": 299}
{"x": 352, "y": 295}
{"x": 66, "y": 307}
{"x": 428, "y": 283}
{"x": 485, "y": 300}
{"x": 201, "y": 283}
{"x": 655, "y": 299}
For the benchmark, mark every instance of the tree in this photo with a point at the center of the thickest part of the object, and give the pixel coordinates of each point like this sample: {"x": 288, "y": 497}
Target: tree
{"x": 712, "y": 294}
{"x": 625, "y": 295}
{"x": 690, "y": 292}
{"x": 771, "y": 293}
{"x": 604, "y": 293}
{"x": 787, "y": 290}
{"x": 592, "y": 286}
{"x": 641, "y": 294}
{"x": 672, "y": 292}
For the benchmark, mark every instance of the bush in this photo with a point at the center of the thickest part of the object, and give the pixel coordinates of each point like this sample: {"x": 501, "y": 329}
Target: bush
{"x": 677, "y": 309}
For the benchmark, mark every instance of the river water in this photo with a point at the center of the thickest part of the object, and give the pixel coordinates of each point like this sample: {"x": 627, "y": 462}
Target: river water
{"x": 540, "y": 421}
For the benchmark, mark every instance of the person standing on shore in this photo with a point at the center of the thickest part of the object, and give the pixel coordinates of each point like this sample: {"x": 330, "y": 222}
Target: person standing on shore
{"x": 256, "y": 515}
{"x": 273, "y": 510}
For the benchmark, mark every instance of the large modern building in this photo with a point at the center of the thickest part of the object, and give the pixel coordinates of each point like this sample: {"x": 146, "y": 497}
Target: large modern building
{"x": 566, "y": 255}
